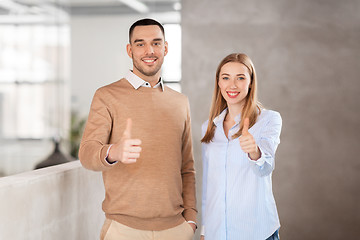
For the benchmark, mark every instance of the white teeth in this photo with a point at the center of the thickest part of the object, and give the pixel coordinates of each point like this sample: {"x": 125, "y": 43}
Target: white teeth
{"x": 232, "y": 94}
{"x": 149, "y": 61}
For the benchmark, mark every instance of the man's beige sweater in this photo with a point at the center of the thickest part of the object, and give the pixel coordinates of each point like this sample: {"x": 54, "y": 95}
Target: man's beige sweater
{"x": 158, "y": 191}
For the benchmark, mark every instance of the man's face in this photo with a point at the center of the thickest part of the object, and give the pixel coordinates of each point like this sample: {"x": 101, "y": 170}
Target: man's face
{"x": 147, "y": 50}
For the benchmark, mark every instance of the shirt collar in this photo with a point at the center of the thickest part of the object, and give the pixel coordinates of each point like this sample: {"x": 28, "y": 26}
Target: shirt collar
{"x": 219, "y": 119}
{"x": 137, "y": 82}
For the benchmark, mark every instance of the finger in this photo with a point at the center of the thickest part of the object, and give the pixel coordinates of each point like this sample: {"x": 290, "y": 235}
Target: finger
{"x": 133, "y": 142}
{"x": 127, "y": 132}
{"x": 133, "y": 155}
{"x": 244, "y": 139}
{"x": 248, "y": 144}
{"x": 129, "y": 161}
{"x": 245, "y": 147}
{"x": 245, "y": 129}
{"x": 128, "y": 158}
{"x": 135, "y": 149}
{"x": 248, "y": 149}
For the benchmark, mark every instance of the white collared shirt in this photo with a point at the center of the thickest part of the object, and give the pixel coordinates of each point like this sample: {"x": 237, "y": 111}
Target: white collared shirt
{"x": 137, "y": 82}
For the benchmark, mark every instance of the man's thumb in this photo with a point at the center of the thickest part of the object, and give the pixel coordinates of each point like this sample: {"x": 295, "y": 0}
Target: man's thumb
{"x": 127, "y": 132}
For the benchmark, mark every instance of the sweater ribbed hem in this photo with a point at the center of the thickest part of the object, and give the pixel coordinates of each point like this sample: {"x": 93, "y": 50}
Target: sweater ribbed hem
{"x": 149, "y": 224}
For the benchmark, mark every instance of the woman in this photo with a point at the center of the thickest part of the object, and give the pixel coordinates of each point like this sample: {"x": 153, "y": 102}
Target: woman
{"x": 239, "y": 143}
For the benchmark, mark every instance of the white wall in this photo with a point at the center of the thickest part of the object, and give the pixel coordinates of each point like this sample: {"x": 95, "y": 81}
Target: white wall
{"x": 55, "y": 203}
{"x": 98, "y": 55}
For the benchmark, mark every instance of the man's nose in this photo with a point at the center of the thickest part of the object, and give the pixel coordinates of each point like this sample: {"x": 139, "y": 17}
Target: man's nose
{"x": 149, "y": 49}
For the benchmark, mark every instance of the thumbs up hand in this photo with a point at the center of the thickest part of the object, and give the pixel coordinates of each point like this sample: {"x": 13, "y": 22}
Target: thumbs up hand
{"x": 247, "y": 142}
{"x": 128, "y": 149}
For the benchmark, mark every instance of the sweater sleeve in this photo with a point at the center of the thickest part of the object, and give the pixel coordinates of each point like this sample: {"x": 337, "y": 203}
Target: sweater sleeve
{"x": 188, "y": 172}
{"x": 95, "y": 140}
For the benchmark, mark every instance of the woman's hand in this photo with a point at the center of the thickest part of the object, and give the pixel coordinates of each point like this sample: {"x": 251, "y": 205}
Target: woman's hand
{"x": 202, "y": 237}
{"x": 247, "y": 142}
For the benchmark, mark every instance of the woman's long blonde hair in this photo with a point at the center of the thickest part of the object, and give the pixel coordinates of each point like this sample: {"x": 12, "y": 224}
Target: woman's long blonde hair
{"x": 252, "y": 107}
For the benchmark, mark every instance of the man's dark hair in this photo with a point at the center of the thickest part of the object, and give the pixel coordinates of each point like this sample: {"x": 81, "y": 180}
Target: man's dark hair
{"x": 145, "y": 22}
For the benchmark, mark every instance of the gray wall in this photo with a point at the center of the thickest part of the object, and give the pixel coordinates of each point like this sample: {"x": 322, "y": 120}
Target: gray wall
{"x": 306, "y": 54}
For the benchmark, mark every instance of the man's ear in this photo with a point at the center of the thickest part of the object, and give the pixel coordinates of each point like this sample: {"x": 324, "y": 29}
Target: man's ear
{"x": 166, "y": 48}
{"x": 128, "y": 50}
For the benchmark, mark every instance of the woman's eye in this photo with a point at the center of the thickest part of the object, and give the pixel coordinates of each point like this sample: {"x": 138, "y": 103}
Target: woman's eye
{"x": 225, "y": 78}
{"x": 241, "y": 78}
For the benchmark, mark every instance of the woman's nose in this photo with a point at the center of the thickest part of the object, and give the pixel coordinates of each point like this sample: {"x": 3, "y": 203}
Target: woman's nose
{"x": 232, "y": 84}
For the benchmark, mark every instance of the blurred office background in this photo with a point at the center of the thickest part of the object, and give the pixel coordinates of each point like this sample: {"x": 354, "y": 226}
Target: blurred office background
{"x": 54, "y": 54}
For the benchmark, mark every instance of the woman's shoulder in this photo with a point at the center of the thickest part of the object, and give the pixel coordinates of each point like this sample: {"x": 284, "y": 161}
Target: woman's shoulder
{"x": 204, "y": 127}
{"x": 267, "y": 114}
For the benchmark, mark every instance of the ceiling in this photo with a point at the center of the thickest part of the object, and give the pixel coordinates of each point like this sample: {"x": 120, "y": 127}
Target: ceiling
{"x": 88, "y": 7}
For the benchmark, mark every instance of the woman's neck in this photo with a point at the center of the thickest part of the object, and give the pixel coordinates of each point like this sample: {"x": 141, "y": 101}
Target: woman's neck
{"x": 233, "y": 111}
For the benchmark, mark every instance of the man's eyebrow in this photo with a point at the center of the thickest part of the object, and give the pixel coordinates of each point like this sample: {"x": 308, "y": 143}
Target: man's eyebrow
{"x": 138, "y": 40}
{"x": 157, "y": 39}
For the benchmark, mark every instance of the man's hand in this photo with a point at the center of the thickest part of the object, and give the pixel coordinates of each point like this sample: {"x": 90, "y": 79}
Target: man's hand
{"x": 247, "y": 142}
{"x": 202, "y": 237}
{"x": 128, "y": 149}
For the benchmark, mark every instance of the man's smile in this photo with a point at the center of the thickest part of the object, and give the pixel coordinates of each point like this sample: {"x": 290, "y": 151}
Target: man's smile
{"x": 149, "y": 61}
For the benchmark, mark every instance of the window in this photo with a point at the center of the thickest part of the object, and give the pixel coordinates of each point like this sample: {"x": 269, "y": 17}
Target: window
{"x": 171, "y": 71}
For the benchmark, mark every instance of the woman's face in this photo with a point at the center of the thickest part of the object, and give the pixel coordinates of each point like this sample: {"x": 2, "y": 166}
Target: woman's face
{"x": 234, "y": 82}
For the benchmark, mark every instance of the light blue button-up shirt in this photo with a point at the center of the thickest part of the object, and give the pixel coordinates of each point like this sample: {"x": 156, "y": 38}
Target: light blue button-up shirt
{"x": 237, "y": 201}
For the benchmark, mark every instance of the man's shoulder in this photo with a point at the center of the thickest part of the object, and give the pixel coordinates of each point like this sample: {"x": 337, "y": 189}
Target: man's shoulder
{"x": 114, "y": 86}
{"x": 118, "y": 83}
{"x": 175, "y": 94}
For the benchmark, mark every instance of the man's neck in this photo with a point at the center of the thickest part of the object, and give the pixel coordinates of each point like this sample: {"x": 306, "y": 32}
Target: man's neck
{"x": 153, "y": 80}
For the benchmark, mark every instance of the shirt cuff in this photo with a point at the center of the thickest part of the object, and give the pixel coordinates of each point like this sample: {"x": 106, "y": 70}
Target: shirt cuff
{"x": 261, "y": 161}
{"x": 193, "y": 223}
{"x": 202, "y": 232}
{"x": 107, "y": 155}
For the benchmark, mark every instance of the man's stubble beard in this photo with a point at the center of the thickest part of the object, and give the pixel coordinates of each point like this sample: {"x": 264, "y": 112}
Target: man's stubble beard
{"x": 148, "y": 74}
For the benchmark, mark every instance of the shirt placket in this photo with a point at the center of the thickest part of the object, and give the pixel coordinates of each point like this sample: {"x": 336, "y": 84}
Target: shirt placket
{"x": 231, "y": 132}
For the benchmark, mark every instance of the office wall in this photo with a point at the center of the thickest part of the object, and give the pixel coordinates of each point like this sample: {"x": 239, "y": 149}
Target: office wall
{"x": 306, "y": 54}
{"x": 98, "y": 55}
{"x": 57, "y": 203}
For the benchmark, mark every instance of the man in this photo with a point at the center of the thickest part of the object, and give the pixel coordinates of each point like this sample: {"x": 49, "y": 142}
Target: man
{"x": 138, "y": 134}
